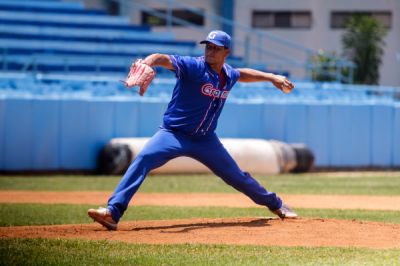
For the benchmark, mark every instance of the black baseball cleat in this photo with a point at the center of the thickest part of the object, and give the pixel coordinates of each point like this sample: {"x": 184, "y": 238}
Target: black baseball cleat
{"x": 285, "y": 212}
{"x": 103, "y": 217}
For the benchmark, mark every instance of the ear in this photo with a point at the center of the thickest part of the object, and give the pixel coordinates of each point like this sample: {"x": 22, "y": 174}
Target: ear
{"x": 227, "y": 52}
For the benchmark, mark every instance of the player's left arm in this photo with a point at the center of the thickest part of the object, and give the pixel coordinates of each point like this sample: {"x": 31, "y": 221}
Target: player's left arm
{"x": 252, "y": 75}
{"x": 162, "y": 60}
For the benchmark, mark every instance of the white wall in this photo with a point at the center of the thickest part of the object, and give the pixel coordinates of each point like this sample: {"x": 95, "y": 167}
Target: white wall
{"x": 181, "y": 32}
{"x": 321, "y": 36}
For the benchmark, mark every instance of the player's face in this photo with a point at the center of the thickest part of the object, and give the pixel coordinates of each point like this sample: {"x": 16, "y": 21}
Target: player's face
{"x": 215, "y": 54}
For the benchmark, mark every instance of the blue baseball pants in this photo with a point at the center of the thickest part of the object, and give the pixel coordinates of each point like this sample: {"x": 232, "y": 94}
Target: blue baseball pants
{"x": 166, "y": 145}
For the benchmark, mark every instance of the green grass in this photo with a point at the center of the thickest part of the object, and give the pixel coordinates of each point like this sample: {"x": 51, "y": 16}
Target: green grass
{"x": 351, "y": 184}
{"x": 47, "y": 214}
{"x": 80, "y": 252}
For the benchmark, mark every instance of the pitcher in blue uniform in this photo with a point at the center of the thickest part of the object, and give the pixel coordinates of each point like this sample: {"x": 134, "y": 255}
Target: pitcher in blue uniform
{"x": 202, "y": 87}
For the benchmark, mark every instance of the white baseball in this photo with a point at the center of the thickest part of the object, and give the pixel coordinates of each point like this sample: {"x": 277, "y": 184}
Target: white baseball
{"x": 286, "y": 89}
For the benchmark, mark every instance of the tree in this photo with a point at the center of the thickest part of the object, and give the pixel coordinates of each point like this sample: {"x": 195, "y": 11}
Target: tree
{"x": 363, "y": 43}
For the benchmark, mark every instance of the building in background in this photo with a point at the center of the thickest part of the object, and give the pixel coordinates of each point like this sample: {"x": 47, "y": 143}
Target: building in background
{"x": 278, "y": 34}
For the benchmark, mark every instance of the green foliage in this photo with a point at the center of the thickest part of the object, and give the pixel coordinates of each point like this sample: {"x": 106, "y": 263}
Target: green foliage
{"x": 324, "y": 66}
{"x": 363, "y": 43}
{"x": 328, "y": 66}
{"x": 81, "y": 252}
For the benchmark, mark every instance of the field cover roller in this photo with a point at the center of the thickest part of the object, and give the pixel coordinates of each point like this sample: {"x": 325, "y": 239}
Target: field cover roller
{"x": 257, "y": 156}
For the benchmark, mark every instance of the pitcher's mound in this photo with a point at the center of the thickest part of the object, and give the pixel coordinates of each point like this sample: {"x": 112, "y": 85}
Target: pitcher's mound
{"x": 244, "y": 231}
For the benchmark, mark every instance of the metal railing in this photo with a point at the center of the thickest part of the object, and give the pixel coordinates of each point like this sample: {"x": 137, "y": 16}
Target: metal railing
{"x": 253, "y": 53}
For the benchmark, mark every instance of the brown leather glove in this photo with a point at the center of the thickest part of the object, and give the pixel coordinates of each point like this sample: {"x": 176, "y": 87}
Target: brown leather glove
{"x": 140, "y": 75}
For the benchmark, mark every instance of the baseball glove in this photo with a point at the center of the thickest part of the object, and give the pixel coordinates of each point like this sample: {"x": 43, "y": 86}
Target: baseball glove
{"x": 140, "y": 75}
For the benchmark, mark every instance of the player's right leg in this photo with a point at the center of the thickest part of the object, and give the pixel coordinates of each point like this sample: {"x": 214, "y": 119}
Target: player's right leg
{"x": 162, "y": 147}
{"x": 213, "y": 154}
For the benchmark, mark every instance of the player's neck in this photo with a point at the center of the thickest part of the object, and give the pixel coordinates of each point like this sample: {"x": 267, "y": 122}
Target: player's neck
{"x": 217, "y": 67}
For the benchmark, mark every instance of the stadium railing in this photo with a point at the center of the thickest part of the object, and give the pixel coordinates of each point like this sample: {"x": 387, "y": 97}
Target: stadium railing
{"x": 162, "y": 86}
{"x": 253, "y": 52}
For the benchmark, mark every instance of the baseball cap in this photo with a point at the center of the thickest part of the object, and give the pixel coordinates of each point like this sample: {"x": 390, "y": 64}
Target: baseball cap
{"x": 219, "y": 38}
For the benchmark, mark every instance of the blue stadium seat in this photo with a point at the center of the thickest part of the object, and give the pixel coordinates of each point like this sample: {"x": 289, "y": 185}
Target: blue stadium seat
{"x": 72, "y": 24}
{"x": 45, "y": 4}
{"x": 84, "y": 48}
{"x": 90, "y": 39}
{"x": 164, "y": 82}
{"x": 47, "y": 7}
{"x": 57, "y": 19}
{"x": 52, "y": 36}
{"x": 131, "y": 33}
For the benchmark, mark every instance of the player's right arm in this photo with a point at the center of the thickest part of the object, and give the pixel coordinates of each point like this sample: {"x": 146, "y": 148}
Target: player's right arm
{"x": 161, "y": 60}
{"x": 252, "y": 75}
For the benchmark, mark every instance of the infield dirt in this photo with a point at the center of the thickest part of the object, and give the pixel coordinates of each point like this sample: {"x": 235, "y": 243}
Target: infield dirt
{"x": 390, "y": 203}
{"x": 242, "y": 231}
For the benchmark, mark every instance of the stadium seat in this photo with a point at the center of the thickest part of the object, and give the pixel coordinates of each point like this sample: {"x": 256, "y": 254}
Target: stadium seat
{"x": 56, "y": 36}
{"x": 109, "y": 34}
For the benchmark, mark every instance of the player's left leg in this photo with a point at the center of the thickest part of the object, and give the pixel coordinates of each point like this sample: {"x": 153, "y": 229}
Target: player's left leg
{"x": 213, "y": 154}
{"x": 162, "y": 147}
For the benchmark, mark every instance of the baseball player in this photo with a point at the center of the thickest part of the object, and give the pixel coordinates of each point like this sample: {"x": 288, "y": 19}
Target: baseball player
{"x": 188, "y": 129}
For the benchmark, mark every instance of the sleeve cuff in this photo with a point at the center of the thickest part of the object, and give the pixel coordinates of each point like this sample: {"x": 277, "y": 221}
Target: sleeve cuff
{"x": 176, "y": 66}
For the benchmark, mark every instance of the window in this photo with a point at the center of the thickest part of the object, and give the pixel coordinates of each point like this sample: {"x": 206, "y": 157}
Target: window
{"x": 113, "y": 8}
{"x": 340, "y": 18}
{"x": 183, "y": 14}
{"x": 281, "y": 19}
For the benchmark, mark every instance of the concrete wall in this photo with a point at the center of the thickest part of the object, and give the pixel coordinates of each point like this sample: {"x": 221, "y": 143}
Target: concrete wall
{"x": 52, "y": 134}
{"x": 183, "y": 33}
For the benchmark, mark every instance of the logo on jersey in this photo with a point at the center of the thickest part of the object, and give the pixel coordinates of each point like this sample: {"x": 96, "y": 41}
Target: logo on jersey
{"x": 209, "y": 90}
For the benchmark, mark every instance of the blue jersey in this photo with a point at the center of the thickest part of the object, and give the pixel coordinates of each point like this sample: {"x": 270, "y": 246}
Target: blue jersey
{"x": 198, "y": 98}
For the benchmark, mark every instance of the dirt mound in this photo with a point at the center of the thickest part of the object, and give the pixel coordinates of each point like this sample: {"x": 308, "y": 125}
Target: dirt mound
{"x": 243, "y": 231}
